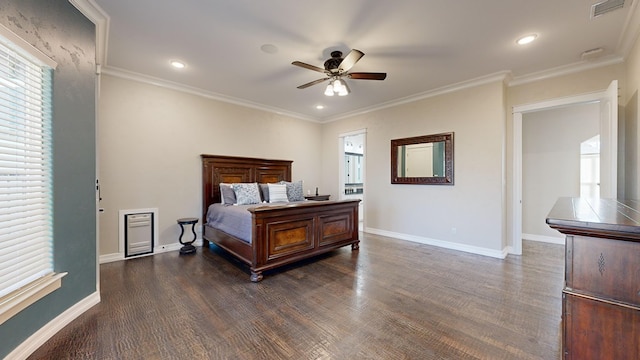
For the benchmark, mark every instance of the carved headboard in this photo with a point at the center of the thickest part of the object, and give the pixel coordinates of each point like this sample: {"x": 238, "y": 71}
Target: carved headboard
{"x": 232, "y": 169}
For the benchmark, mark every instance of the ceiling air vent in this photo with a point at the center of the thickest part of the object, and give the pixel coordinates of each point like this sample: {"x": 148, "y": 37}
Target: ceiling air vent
{"x": 604, "y": 7}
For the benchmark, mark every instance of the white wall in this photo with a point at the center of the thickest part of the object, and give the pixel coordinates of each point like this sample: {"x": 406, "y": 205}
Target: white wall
{"x": 150, "y": 141}
{"x": 466, "y": 216}
{"x": 551, "y": 160}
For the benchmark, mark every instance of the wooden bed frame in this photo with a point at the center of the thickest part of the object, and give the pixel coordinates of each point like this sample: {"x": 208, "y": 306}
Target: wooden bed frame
{"x": 281, "y": 234}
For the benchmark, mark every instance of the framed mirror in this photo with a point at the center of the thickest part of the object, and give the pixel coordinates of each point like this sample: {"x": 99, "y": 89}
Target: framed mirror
{"x": 422, "y": 160}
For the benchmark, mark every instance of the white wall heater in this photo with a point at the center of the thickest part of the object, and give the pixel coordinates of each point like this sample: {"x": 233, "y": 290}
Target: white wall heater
{"x": 138, "y": 234}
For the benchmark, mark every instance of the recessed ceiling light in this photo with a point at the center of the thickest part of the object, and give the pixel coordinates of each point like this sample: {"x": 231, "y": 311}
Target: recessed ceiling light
{"x": 526, "y": 39}
{"x": 177, "y": 64}
{"x": 319, "y": 107}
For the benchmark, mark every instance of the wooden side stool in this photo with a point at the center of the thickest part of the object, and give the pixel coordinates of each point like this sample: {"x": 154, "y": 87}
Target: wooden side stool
{"x": 187, "y": 247}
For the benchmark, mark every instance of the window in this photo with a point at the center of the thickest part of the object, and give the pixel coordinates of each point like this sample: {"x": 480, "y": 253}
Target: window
{"x": 26, "y": 199}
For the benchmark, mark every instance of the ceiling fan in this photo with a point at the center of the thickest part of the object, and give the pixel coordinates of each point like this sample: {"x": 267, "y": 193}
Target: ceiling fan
{"x": 336, "y": 69}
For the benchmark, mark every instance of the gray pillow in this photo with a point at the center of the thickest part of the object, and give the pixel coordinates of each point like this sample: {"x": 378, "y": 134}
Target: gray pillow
{"x": 264, "y": 191}
{"x": 294, "y": 190}
{"x": 227, "y": 196}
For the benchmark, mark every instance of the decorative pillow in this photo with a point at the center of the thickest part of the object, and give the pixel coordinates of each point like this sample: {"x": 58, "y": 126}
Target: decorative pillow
{"x": 278, "y": 193}
{"x": 294, "y": 190}
{"x": 227, "y": 196}
{"x": 246, "y": 193}
{"x": 264, "y": 191}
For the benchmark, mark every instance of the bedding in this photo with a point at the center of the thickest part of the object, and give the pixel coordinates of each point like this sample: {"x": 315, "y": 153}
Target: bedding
{"x": 234, "y": 220}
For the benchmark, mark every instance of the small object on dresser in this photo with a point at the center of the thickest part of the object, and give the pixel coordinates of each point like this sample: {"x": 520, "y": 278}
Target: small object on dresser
{"x": 187, "y": 247}
{"x": 317, "y": 197}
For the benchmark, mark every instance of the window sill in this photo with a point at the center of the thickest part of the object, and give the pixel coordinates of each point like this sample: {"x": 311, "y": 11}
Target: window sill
{"x": 18, "y": 300}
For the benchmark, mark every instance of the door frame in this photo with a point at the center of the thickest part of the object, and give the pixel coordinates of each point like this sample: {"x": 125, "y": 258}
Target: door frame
{"x": 341, "y": 174}
{"x": 607, "y": 124}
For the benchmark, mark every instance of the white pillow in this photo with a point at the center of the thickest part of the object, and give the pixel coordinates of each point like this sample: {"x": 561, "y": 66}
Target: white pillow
{"x": 277, "y": 193}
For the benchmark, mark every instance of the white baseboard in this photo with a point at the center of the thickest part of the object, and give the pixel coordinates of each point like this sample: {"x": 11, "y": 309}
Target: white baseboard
{"x": 500, "y": 254}
{"x": 156, "y": 250}
{"x": 46, "y": 332}
{"x": 543, "y": 238}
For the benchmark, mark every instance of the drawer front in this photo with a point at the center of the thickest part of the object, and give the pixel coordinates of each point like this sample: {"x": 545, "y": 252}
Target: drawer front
{"x": 335, "y": 228}
{"x": 287, "y": 238}
{"x": 604, "y": 268}
{"x": 599, "y": 330}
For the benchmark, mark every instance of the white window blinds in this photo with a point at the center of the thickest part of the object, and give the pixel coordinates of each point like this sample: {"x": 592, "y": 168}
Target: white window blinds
{"x": 26, "y": 235}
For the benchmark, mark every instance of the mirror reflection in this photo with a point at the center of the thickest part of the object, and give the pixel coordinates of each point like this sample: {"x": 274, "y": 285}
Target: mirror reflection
{"x": 353, "y": 168}
{"x": 424, "y": 159}
{"x": 421, "y": 160}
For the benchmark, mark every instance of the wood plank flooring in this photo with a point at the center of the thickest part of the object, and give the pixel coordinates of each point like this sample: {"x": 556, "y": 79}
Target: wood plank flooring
{"x": 391, "y": 299}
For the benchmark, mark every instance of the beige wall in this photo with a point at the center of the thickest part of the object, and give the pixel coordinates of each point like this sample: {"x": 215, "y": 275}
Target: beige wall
{"x": 588, "y": 81}
{"x": 151, "y": 137}
{"x": 150, "y": 141}
{"x": 473, "y": 206}
{"x": 631, "y": 119}
{"x": 551, "y": 161}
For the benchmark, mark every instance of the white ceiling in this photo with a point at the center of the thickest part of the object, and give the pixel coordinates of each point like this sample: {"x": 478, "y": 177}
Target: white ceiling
{"x": 423, "y": 46}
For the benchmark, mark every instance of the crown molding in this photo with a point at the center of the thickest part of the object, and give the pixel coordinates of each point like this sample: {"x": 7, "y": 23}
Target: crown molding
{"x": 133, "y": 76}
{"x": 101, "y": 20}
{"x": 503, "y": 76}
{"x": 566, "y": 70}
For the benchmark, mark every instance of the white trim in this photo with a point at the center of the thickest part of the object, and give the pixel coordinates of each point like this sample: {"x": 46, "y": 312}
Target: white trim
{"x": 129, "y": 75}
{"x": 101, "y": 19}
{"x": 518, "y": 110}
{"x": 46, "y": 332}
{"x": 543, "y": 238}
{"x": 20, "y": 299}
{"x": 487, "y": 79}
{"x": 516, "y": 207}
{"x": 630, "y": 30}
{"x": 158, "y": 249}
{"x": 566, "y": 70}
{"x": 121, "y": 226}
{"x": 21, "y": 46}
{"x": 341, "y": 174}
{"x": 592, "y": 97}
{"x": 500, "y": 254}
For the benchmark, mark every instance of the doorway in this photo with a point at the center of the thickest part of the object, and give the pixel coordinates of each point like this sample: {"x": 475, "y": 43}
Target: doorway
{"x": 352, "y": 169}
{"x": 607, "y": 101}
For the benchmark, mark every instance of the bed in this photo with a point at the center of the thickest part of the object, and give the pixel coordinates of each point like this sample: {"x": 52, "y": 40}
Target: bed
{"x": 281, "y": 234}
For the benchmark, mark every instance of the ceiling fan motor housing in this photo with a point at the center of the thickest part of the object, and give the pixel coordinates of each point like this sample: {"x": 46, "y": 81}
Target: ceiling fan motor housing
{"x": 333, "y": 63}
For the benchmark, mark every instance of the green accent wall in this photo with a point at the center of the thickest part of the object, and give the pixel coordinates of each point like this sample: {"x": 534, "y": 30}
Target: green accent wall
{"x": 60, "y": 31}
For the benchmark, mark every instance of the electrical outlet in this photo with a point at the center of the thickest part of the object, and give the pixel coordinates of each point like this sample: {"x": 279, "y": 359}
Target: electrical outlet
{"x": 454, "y": 230}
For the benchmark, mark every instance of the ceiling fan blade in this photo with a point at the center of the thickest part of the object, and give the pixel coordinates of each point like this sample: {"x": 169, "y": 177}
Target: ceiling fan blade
{"x": 307, "y": 66}
{"x": 304, "y": 86}
{"x": 350, "y": 60}
{"x": 367, "y": 76}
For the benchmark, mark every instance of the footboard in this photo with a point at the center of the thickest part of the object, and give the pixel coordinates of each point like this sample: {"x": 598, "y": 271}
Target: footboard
{"x": 289, "y": 233}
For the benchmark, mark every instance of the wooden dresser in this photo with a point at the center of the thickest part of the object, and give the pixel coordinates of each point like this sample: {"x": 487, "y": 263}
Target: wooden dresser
{"x": 601, "y": 296}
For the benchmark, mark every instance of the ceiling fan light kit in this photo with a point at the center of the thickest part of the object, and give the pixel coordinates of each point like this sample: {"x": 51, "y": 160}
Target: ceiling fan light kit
{"x": 336, "y": 69}
{"x": 337, "y": 86}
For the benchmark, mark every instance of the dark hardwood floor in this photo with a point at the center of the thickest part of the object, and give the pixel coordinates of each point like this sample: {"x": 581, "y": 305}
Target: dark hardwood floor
{"x": 392, "y": 299}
